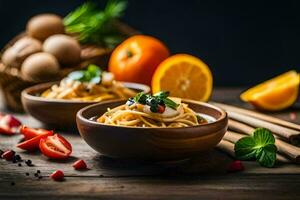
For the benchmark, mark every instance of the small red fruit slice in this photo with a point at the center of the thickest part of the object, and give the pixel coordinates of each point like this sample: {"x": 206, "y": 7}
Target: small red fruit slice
{"x": 235, "y": 166}
{"x": 58, "y": 175}
{"x": 79, "y": 165}
{"x": 8, "y": 155}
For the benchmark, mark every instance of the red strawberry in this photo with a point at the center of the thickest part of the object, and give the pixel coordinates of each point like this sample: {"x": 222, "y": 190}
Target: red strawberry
{"x": 79, "y": 165}
{"x": 58, "y": 175}
{"x": 235, "y": 166}
{"x": 8, "y": 155}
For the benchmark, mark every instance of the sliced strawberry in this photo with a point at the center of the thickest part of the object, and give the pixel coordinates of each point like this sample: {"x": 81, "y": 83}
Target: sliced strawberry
{"x": 8, "y": 155}
{"x": 58, "y": 175}
{"x": 79, "y": 165}
{"x": 235, "y": 166}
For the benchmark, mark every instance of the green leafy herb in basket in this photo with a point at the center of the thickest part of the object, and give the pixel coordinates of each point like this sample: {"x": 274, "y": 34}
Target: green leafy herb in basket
{"x": 95, "y": 26}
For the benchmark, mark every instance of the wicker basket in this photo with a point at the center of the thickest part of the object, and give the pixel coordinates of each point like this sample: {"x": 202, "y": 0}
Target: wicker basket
{"x": 12, "y": 83}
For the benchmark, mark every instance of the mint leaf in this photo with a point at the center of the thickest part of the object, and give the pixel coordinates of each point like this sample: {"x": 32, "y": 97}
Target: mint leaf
{"x": 171, "y": 104}
{"x": 263, "y": 137}
{"x": 140, "y": 98}
{"x": 266, "y": 156}
{"x": 162, "y": 94}
{"x": 260, "y": 146}
{"x": 92, "y": 74}
{"x": 245, "y": 148}
{"x": 93, "y": 70}
{"x": 160, "y": 98}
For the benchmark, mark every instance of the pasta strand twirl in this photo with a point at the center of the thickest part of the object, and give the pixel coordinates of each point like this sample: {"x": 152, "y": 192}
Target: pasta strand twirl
{"x": 85, "y": 91}
{"x": 135, "y": 116}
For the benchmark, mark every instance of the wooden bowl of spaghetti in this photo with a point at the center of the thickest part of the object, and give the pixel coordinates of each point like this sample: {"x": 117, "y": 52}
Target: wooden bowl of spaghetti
{"x": 166, "y": 143}
{"x": 61, "y": 113}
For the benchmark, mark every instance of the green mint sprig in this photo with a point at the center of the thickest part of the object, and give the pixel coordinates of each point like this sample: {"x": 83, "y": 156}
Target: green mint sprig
{"x": 260, "y": 147}
{"x": 92, "y": 74}
{"x": 163, "y": 95}
{"x": 160, "y": 98}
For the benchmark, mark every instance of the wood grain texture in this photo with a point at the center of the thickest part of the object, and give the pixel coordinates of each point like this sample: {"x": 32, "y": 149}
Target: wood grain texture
{"x": 196, "y": 187}
{"x": 202, "y": 177}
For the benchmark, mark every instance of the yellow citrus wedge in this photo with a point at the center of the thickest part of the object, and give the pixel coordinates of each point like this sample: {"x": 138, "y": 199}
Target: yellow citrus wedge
{"x": 275, "y": 94}
{"x": 185, "y": 76}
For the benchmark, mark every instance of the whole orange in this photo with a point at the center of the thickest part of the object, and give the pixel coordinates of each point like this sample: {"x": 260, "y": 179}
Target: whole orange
{"x": 136, "y": 59}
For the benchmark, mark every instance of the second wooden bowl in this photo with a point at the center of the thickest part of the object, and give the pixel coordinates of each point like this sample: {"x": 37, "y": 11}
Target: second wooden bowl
{"x": 59, "y": 113}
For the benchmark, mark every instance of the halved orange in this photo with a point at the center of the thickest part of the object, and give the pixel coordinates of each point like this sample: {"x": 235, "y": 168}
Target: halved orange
{"x": 185, "y": 76}
{"x": 275, "y": 94}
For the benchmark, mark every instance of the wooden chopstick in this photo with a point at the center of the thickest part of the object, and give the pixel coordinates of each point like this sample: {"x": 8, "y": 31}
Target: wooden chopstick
{"x": 257, "y": 115}
{"x": 233, "y": 136}
{"x": 282, "y": 159}
{"x": 240, "y": 127}
{"x": 228, "y": 147}
{"x": 292, "y": 152}
{"x": 289, "y": 134}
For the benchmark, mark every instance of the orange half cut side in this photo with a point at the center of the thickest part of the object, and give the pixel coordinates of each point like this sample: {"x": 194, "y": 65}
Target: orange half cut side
{"x": 185, "y": 76}
{"x": 275, "y": 94}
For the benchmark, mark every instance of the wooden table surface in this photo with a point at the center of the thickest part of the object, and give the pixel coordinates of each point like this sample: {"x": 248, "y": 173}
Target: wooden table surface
{"x": 203, "y": 177}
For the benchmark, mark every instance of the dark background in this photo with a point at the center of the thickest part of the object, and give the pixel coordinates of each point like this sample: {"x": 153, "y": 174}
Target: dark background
{"x": 243, "y": 42}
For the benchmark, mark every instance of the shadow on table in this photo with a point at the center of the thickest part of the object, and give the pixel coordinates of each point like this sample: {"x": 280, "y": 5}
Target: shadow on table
{"x": 211, "y": 163}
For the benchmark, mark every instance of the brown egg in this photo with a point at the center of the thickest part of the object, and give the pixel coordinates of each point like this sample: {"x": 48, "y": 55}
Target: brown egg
{"x": 16, "y": 54}
{"x": 40, "y": 67}
{"x": 65, "y": 48}
{"x": 44, "y": 25}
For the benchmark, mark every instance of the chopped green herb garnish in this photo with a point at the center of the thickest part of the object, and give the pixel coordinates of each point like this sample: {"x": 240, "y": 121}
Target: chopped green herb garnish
{"x": 162, "y": 94}
{"x": 260, "y": 146}
{"x": 168, "y": 102}
{"x": 140, "y": 98}
{"x": 154, "y": 101}
{"x": 92, "y": 74}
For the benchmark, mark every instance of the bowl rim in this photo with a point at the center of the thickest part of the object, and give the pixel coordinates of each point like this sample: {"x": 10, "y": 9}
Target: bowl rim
{"x": 221, "y": 118}
{"x": 25, "y": 93}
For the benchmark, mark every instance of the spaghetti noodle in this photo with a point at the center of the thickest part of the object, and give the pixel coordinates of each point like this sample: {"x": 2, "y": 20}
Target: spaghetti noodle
{"x": 137, "y": 114}
{"x": 99, "y": 87}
